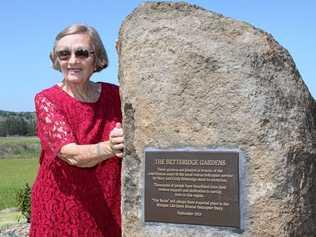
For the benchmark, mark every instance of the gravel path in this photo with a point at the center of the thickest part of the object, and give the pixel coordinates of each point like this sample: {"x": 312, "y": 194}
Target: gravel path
{"x": 15, "y": 230}
{"x": 9, "y": 226}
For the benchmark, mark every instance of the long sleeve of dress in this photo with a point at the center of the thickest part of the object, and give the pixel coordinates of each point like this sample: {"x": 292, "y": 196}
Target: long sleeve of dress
{"x": 52, "y": 127}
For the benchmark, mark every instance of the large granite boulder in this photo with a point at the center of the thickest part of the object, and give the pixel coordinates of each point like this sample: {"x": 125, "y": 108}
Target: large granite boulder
{"x": 191, "y": 77}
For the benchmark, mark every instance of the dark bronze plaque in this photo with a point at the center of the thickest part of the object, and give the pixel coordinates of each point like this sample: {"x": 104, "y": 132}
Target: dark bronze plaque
{"x": 192, "y": 187}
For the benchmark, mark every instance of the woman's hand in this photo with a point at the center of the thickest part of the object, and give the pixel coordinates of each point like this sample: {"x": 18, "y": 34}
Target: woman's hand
{"x": 117, "y": 140}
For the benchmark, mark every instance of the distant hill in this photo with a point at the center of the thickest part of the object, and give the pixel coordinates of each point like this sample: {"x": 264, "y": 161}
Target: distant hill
{"x": 17, "y": 123}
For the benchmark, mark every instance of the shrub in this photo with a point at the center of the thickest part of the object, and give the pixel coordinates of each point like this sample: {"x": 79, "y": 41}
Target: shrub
{"x": 24, "y": 201}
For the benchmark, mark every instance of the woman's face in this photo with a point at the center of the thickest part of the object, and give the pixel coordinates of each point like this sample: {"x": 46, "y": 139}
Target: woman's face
{"x": 76, "y": 58}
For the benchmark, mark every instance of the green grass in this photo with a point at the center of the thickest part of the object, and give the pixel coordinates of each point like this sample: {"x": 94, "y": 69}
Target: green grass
{"x": 12, "y": 217}
{"x": 14, "y": 173}
{"x": 18, "y": 140}
{"x": 19, "y": 147}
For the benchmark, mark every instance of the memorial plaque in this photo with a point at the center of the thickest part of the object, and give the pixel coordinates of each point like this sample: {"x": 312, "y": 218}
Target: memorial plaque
{"x": 192, "y": 187}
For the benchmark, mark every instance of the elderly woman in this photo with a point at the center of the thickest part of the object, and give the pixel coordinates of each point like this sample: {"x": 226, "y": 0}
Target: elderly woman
{"x": 77, "y": 189}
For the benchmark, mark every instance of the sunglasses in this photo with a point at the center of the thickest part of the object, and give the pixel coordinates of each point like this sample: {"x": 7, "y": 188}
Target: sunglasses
{"x": 80, "y": 53}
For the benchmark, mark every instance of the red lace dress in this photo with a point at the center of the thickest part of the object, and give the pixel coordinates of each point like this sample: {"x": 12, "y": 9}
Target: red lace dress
{"x": 67, "y": 200}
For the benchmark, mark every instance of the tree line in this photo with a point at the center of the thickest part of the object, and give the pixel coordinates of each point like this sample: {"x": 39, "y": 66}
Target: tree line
{"x": 17, "y": 123}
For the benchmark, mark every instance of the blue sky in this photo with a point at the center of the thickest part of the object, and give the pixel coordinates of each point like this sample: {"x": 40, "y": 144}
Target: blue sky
{"x": 28, "y": 29}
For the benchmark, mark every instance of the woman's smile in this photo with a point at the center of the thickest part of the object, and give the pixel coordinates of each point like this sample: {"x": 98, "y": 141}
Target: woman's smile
{"x": 74, "y": 71}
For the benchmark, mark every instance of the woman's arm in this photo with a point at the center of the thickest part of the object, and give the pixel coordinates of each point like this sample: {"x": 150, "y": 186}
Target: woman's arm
{"x": 85, "y": 156}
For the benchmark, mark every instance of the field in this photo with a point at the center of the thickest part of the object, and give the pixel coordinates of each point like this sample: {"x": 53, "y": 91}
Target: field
{"x": 14, "y": 173}
{"x": 19, "y": 147}
{"x": 18, "y": 165}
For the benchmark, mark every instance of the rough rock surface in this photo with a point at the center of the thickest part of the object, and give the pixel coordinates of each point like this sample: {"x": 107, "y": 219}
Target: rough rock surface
{"x": 191, "y": 77}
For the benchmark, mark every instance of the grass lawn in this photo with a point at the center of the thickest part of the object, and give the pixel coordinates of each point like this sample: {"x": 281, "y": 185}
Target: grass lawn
{"x": 14, "y": 173}
{"x": 19, "y": 147}
{"x": 18, "y": 140}
{"x": 12, "y": 217}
